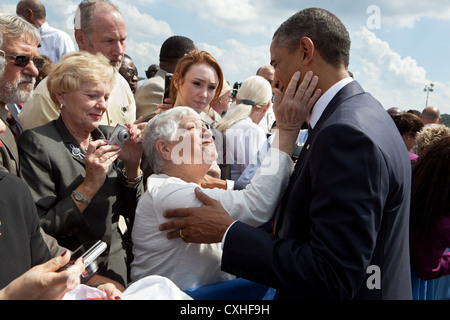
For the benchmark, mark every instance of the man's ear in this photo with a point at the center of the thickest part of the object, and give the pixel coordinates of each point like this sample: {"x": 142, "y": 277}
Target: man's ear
{"x": 81, "y": 39}
{"x": 164, "y": 149}
{"x": 29, "y": 15}
{"x": 307, "y": 50}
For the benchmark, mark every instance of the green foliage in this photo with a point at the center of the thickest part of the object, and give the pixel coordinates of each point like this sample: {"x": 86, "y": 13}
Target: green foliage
{"x": 445, "y": 119}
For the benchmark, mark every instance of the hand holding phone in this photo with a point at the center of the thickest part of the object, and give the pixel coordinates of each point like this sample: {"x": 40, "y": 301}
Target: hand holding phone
{"x": 89, "y": 252}
{"x": 168, "y": 80}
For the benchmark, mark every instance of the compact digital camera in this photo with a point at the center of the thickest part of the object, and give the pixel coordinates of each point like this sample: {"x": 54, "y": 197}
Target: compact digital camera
{"x": 119, "y": 136}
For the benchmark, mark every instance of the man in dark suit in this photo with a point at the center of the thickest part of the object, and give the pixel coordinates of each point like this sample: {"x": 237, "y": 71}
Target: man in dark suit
{"x": 341, "y": 229}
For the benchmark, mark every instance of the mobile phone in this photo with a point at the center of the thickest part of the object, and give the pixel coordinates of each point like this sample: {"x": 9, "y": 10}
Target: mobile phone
{"x": 119, "y": 136}
{"x": 168, "y": 79}
{"x": 297, "y": 149}
{"x": 89, "y": 252}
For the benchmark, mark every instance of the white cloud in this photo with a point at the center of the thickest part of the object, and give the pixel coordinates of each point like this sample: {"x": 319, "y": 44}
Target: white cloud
{"x": 11, "y": 8}
{"x": 371, "y": 49}
{"x": 242, "y": 16}
{"x": 394, "y": 80}
{"x": 406, "y": 13}
{"x": 142, "y": 24}
{"x": 143, "y": 54}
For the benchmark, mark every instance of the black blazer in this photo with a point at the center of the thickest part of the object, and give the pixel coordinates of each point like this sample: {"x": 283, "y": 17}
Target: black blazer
{"x": 346, "y": 209}
{"x": 21, "y": 244}
{"x": 52, "y": 170}
{"x": 9, "y": 154}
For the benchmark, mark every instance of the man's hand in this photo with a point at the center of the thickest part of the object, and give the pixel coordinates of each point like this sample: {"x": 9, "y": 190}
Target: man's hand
{"x": 164, "y": 106}
{"x": 206, "y": 224}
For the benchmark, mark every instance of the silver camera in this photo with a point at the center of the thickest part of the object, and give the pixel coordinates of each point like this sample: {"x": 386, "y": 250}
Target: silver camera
{"x": 119, "y": 136}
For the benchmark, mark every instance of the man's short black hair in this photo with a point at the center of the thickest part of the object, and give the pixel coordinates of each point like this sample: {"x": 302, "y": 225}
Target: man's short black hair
{"x": 175, "y": 48}
{"x": 329, "y": 35}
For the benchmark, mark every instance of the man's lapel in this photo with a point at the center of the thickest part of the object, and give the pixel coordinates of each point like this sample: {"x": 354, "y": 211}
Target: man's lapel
{"x": 350, "y": 90}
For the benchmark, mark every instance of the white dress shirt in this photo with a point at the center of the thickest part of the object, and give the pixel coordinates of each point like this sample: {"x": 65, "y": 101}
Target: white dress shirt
{"x": 325, "y": 99}
{"x": 55, "y": 43}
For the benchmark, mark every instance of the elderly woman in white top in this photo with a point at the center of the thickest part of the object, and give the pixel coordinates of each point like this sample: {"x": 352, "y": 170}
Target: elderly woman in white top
{"x": 243, "y": 136}
{"x": 180, "y": 149}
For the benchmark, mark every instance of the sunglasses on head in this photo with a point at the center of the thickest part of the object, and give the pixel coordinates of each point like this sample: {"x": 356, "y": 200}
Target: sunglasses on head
{"x": 22, "y": 60}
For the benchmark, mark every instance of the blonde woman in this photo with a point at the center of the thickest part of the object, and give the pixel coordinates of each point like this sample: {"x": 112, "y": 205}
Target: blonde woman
{"x": 430, "y": 134}
{"x": 80, "y": 183}
{"x": 243, "y": 137}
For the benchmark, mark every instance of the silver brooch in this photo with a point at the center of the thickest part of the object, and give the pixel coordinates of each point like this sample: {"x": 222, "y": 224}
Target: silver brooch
{"x": 76, "y": 152}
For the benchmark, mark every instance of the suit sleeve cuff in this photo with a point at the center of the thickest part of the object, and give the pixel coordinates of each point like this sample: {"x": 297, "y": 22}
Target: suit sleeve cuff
{"x": 225, "y": 234}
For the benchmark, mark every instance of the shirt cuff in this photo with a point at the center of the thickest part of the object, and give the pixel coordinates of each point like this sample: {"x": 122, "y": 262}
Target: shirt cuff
{"x": 225, "y": 234}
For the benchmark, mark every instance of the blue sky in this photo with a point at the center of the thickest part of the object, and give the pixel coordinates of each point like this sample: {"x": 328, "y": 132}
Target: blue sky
{"x": 397, "y": 46}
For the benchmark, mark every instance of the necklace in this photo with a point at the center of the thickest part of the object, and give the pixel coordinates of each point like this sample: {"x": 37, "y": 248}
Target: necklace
{"x": 85, "y": 149}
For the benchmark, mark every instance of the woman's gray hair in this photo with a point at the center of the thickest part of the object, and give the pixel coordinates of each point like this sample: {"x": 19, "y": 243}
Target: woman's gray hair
{"x": 163, "y": 127}
{"x": 13, "y": 27}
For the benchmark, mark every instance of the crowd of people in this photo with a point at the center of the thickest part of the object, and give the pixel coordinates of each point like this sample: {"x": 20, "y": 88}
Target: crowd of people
{"x": 299, "y": 181}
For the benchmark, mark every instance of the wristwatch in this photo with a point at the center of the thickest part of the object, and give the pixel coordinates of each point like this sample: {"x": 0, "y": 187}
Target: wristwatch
{"x": 79, "y": 197}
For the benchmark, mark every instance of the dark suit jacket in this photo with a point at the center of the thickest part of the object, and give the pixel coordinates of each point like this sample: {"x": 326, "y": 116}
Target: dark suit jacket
{"x": 53, "y": 171}
{"x": 21, "y": 243}
{"x": 346, "y": 208}
{"x": 9, "y": 154}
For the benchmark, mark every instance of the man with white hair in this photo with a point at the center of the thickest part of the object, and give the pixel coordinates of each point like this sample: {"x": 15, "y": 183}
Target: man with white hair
{"x": 19, "y": 66}
{"x": 99, "y": 27}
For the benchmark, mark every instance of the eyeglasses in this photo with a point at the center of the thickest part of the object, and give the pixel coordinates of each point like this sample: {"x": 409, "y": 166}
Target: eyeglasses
{"x": 132, "y": 73}
{"x": 22, "y": 60}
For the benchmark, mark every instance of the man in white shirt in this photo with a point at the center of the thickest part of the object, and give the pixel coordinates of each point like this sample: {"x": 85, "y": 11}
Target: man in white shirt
{"x": 55, "y": 43}
{"x": 103, "y": 30}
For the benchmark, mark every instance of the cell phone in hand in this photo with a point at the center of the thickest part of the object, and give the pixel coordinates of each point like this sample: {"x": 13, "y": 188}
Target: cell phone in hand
{"x": 167, "y": 81}
{"x": 89, "y": 252}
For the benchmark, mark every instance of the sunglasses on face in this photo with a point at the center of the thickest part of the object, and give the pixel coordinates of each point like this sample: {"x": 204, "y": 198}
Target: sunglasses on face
{"x": 22, "y": 60}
